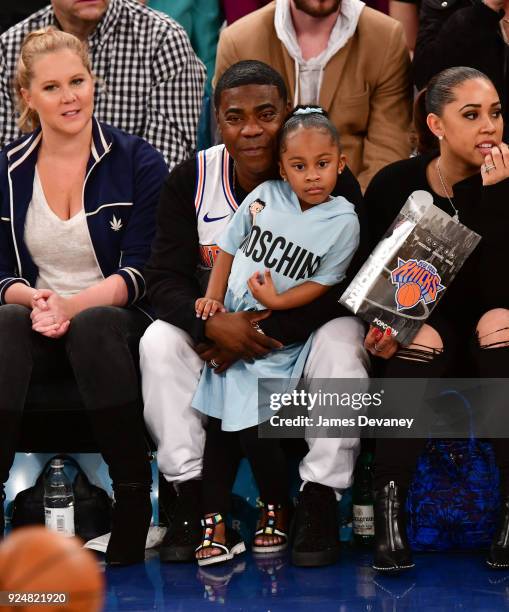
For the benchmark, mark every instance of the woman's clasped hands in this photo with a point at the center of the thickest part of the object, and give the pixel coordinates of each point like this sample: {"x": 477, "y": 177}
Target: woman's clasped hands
{"x": 51, "y": 313}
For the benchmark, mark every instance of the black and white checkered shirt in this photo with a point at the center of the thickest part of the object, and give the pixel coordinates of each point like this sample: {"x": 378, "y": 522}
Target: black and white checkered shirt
{"x": 154, "y": 81}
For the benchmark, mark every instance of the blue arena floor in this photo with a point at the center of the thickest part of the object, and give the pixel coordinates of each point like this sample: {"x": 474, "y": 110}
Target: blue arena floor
{"x": 439, "y": 582}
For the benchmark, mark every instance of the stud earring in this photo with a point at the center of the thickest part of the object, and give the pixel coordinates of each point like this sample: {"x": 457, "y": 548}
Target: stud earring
{"x": 440, "y": 138}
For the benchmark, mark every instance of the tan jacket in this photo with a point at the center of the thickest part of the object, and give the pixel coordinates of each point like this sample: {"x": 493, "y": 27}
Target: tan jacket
{"x": 366, "y": 87}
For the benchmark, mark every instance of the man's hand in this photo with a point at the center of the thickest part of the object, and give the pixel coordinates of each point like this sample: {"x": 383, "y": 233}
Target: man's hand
{"x": 234, "y": 332}
{"x": 218, "y": 359}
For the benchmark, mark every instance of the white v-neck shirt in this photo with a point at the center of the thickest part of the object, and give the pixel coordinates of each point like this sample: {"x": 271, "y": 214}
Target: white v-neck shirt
{"x": 61, "y": 250}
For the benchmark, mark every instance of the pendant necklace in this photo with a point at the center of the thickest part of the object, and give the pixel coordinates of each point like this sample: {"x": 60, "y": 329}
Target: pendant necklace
{"x": 456, "y": 216}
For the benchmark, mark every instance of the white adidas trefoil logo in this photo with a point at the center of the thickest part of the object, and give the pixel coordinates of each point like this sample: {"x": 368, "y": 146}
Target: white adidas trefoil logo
{"x": 116, "y": 224}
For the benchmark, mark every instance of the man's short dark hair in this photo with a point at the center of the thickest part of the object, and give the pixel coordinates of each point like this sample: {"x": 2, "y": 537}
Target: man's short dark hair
{"x": 249, "y": 72}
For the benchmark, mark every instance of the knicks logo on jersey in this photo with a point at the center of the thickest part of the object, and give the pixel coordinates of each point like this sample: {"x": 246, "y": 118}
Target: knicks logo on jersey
{"x": 208, "y": 254}
{"x": 416, "y": 281}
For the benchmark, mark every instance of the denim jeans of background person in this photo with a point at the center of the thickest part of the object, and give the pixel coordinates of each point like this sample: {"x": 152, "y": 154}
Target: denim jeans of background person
{"x": 197, "y": 201}
{"x": 77, "y": 208}
{"x": 150, "y": 82}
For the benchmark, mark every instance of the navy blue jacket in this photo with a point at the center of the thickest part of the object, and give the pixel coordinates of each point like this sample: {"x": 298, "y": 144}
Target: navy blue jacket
{"x": 121, "y": 191}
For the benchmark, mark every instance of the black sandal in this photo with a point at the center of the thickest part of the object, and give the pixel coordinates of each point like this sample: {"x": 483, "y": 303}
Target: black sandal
{"x": 267, "y": 526}
{"x": 233, "y": 545}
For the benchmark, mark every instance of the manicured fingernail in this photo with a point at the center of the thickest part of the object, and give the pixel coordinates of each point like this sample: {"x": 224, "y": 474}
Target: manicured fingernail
{"x": 388, "y": 331}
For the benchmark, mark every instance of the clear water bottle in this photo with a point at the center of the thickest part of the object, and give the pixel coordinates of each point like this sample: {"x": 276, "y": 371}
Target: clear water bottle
{"x": 58, "y": 500}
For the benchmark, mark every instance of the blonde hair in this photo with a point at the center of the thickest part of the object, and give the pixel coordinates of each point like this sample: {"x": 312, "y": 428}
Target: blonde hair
{"x": 36, "y": 44}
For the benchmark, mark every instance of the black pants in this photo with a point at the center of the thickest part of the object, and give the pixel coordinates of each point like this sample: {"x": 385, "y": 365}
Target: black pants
{"x": 223, "y": 451}
{"x": 100, "y": 350}
{"x": 396, "y": 459}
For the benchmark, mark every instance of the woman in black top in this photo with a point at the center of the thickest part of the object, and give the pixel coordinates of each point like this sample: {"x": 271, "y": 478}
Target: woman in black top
{"x": 468, "y": 175}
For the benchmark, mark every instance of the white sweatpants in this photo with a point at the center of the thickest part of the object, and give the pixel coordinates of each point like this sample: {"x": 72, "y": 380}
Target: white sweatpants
{"x": 170, "y": 374}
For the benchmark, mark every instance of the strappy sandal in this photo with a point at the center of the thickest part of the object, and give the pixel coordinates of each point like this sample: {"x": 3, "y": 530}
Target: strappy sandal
{"x": 267, "y": 526}
{"x": 233, "y": 545}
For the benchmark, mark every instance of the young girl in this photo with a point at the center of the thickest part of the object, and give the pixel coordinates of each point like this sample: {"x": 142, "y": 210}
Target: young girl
{"x": 287, "y": 244}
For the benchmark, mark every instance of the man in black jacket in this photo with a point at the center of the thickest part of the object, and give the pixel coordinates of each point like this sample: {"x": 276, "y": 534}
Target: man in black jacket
{"x": 197, "y": 201}
{"x": 471, "y": 33}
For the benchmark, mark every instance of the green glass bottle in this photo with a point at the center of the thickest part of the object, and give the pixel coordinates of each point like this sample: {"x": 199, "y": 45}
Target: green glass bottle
{"x": 362, "y": 498}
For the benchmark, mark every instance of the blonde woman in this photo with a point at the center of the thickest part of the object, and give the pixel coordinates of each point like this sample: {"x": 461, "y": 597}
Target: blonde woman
{"x": 77, "y": 208}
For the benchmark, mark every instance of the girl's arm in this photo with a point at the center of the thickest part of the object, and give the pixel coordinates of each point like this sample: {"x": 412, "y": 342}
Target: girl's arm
{"x": 218, "y": 280}
{"x": 265, "y": 292}
{"x": 214, "y": 297}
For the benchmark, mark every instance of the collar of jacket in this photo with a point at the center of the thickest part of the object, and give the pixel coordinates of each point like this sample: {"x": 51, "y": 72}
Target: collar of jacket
{"x": 22, "y": 154}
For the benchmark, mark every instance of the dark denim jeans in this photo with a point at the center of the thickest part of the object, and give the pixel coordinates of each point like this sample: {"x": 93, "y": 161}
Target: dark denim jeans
{"x": 100, "y": 350}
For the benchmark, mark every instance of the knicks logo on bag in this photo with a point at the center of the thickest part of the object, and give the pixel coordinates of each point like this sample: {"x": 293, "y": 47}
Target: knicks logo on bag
{"x": 417, "y": 281}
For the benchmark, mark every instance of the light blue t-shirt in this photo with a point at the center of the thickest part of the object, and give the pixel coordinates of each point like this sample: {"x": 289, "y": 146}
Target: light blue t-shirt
{"x": 295, "y": 246}
{"x": 315, "y": 245}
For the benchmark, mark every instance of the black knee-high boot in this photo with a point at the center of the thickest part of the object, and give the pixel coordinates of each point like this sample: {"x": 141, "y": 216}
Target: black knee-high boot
{"x": 119, "y": 432}
{"x": 494, "y": 363}
{"x": 395, "y": 461}
{"x": 392, "y": 550}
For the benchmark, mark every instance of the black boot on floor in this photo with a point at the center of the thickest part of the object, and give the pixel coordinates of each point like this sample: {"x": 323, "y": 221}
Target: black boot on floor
{"x": 498, "y": 557}
{"x": 315, "y": 528}
{"x": 184, "y": 533}
{"x": 392, "y": 550}
{"x": 132, "y": 513}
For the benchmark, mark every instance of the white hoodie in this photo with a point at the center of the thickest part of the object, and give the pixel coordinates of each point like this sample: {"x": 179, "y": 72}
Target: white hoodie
{"x": 309, "y": 74}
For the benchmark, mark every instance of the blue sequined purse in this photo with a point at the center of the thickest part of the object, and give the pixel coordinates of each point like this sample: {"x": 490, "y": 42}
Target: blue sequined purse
{"x": 454, "y": 499}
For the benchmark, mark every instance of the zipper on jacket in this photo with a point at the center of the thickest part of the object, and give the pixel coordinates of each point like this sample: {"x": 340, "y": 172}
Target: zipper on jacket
{"x": 389, "y": 514}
